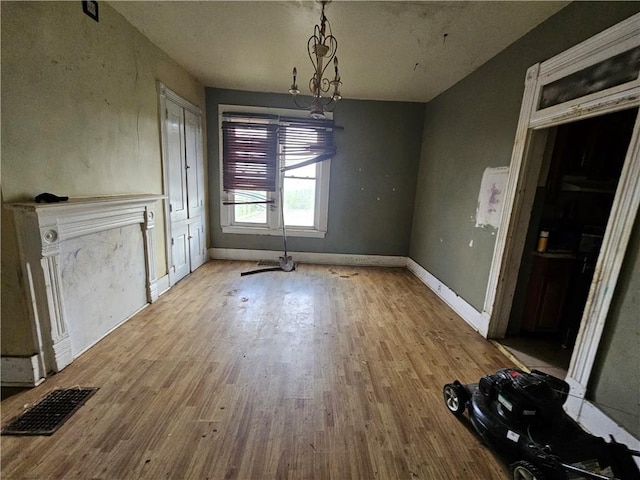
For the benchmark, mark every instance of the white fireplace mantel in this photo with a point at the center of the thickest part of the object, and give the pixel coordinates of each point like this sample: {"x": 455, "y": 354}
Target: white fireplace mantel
{"x": 46, "y": 231}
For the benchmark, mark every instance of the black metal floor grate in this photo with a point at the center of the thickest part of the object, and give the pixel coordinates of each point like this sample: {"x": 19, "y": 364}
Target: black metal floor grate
{"x": 46, "y": 416}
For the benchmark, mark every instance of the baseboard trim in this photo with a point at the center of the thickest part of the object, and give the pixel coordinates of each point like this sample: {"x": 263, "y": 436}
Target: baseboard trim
{"x": 598, "y": 423}
{"x": 162, "y": 284}
{"x": 309, "y": 257}
{"x": 595, "y": 420}
{"x": 21, "y": 372}
{"x": 459, "y": 305}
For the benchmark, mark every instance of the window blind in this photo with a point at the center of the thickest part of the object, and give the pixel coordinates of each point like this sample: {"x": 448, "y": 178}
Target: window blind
{"x": 250, "y": 156}
{"x": 251, "y": 143}
{"x": 305, "y": 141}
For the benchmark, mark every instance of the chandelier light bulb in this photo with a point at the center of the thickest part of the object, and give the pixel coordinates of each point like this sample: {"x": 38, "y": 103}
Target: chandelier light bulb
{"x": 294, "y": 87}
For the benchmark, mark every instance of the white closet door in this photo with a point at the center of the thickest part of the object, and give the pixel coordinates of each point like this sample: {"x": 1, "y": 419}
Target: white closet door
{"x": 184, "y": 184}
{"x": 176, "y": 162}
{"x": 194, "y": 165}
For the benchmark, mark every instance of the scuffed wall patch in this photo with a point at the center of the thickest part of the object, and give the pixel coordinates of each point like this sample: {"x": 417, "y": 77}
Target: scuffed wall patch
{"x": 490, "y": 198}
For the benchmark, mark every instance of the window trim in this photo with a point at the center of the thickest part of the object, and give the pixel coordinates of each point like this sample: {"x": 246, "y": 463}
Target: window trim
{"x": 274, "y": 221}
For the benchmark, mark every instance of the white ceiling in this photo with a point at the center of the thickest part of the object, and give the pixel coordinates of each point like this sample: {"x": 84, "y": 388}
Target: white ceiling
{"x": 403, "y": 51}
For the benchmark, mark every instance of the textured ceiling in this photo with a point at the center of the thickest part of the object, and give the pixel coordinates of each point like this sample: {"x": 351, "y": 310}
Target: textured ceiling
{"x": 403, "y": 51}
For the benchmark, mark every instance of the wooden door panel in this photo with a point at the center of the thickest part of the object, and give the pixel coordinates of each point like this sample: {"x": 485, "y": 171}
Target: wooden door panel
{"x": 194, "y": 166}
{"x": 180, "y": 253}
{"x": 197, "y": 245}
{"x": 176, "y": 162}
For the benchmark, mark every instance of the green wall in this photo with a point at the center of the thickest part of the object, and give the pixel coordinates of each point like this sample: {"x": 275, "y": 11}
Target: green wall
{"x": 471, "y": 127}
{"x": 615, "y": 386}
{"x": 372, "y": 185}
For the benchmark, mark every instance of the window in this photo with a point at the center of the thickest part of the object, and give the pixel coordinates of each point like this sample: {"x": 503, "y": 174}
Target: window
{"x": 269, "y": 156}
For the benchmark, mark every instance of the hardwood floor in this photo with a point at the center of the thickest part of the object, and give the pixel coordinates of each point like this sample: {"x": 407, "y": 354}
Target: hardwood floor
{"x": 322, "y": 373}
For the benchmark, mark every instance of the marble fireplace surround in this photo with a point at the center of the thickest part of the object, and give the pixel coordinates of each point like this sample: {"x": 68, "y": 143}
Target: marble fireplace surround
{"x": 119, "y": 270}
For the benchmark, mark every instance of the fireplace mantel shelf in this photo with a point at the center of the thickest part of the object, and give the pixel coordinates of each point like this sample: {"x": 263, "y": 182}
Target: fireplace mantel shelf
{"x": 79, "y": 216}
{"x": 88, "y": 202}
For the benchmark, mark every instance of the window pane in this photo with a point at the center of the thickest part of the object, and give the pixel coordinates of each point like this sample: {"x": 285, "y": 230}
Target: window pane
{"x": 251, "y": 213}
{"x": 307, "y": 172}
{"x": 614, "y": 71}
{"x": 299, "y": 202}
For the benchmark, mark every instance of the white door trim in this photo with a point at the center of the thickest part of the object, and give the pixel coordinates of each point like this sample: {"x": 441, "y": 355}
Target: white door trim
{"x": 165, "y": 92}
{"x": 525, "y": 165}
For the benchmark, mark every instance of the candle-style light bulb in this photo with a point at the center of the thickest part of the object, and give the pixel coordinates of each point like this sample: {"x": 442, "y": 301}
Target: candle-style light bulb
{"x": 294, "y": 88}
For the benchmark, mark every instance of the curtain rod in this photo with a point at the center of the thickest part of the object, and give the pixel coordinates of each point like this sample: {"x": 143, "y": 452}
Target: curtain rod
{"x": 282, "y": 118}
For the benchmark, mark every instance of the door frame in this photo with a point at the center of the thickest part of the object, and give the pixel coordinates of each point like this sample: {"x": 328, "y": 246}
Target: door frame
{"x": 164, "y": 94}
{"x": 531, "y": 133}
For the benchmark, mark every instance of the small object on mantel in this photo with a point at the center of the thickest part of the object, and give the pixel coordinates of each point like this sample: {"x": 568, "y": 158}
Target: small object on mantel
{"x": 50, "y": 198}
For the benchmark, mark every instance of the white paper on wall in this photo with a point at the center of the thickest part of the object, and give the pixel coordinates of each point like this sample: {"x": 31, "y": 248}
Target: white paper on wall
{"x": 490, "y": 199}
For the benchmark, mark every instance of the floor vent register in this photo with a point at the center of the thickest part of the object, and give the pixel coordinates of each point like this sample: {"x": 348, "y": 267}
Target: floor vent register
{"x": 50, "y": 413}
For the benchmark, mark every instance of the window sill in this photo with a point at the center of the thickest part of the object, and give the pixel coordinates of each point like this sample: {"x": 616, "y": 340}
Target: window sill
{"x": 291, "y": 231}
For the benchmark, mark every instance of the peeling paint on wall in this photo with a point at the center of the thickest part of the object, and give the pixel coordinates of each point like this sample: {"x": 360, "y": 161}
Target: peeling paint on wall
{"x": 490, "y": 198}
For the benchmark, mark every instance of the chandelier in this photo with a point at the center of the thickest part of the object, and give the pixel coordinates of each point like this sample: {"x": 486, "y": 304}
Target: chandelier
{"x": 322, "y": 49}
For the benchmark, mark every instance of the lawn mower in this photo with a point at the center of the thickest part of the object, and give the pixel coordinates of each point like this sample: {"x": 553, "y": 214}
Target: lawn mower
{"x": 520, "y": 416}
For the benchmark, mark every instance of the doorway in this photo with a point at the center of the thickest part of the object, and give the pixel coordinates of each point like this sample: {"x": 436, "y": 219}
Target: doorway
{"x": 183, "y": 179}
{"x": 569, "y": 216}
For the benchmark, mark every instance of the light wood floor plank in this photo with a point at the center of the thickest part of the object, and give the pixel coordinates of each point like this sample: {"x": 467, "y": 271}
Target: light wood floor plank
{"x": 322, "y": 373}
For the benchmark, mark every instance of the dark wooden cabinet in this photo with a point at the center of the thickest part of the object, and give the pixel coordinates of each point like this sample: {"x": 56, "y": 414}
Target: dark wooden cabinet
{"x": 547, "y": 291}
